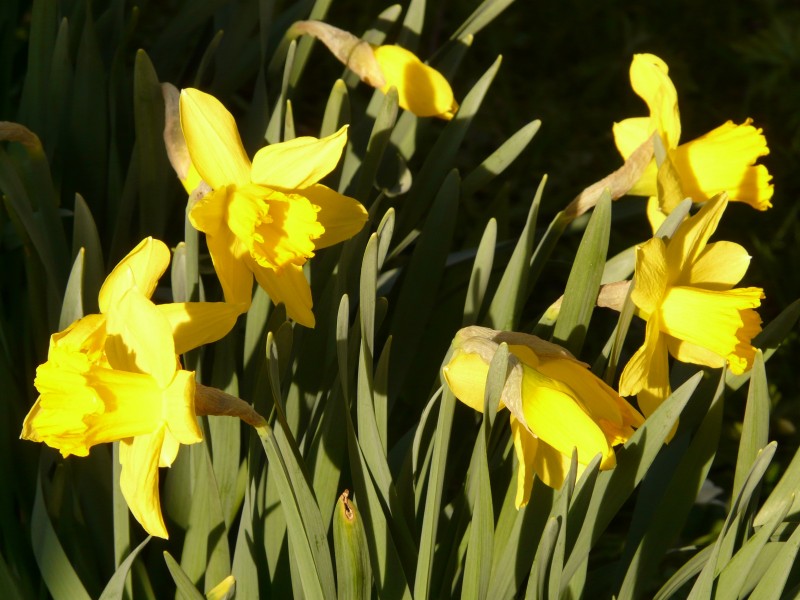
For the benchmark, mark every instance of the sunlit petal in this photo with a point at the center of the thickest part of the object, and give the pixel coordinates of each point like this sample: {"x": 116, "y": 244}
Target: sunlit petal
{"x": 195, "y": 324}
{"x": 420, "y": 89}
{"x": 298, "y": 163}
{"x": 690, "y": 239}
{"x": 466, "y": 375}
{"x": 140, "y": 338}
{"x": 140, "y": 269}
{"x": 650, "y": 282}
{"x": 650, "y": 80}
{"x": 139, "y": 480}
{"x": 553, "y": 415}
{"x": 525, "y": 446}
{"x": 213, "y": 140}
{"x": 719, "y": 266}
{"x": 290, "y": 287}
{"x": 341, "y": 216}
{"x": 234, "y": 275}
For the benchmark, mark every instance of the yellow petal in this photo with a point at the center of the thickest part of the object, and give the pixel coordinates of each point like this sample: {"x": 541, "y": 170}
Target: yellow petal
{"x": 720, "y": 266}
{"x": 723, "y": 160}
{"x": 298, "y": 163}
{"x": 648, "y": 369}
{"x": 525, "y": 447}
{"x": 690, "y": 239}
{"x": 140, "y": 338}
{"x": 720, "y": 321}
{"x": 602, "y": 403}
{"x": 655, "y": 215}
{"x": 536, "y": 456}
{"x": 466, "y": 375}
{"x": 420, "y": 89}
{"x": 178, "y": 408}
{"x": 553, "y": 415}
{"x": 692, "y": 353}
{"x": 169, "y": 450}
{"x": 223, "y": 590}
{"x": 210, "y": 213}
{"x": 139, "y": 480}
{"x": 290, "y": 287}
{"x": 87, "y": 335}
{"x": 197, "y": 323}
{"x": 341, "y": 216}
{"x": 631, "y": 133}
{"x": 140, "y": 269}
{"x": 650, "y": 281}
{"x": 230, "y": 262}
{"x": 650, "y": 80}
{"x": 213, "y": 140}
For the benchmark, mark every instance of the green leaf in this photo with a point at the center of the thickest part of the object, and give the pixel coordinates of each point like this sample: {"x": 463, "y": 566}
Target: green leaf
{"x": 378, "y": 140}
{"x": 301, "y": 543}
{"x": 613, "y": 487}
{"x": 583, "y": 284}
{"x": 481, "y": 270}
{"x": 353, "y": 572}
{"x": 755, "y": 428}
{"x": 60, "y": 578}
{"x": 85, "y": 235}
{"x": 537, "y": 581}
{"x": 512, "y": 291}
{"x": 772, "y": 583}
{"x": 115, "y": 588}
{"x": 337, "y": 110}
{"x": 683, "y": 575}
{"x": 442, "y": 155}
{"x": 205, "y": 553}
{"x": 72, "y": 308}
{"x": 481, "y": 17}
{"x": 155, "y": 173}
{"x": 274, "y": 133}
{"x": 666, "y": 497}
{"x": 704, "y": 585}
{"x": 417, "y": 296}
{"x": 733, "y": 577}
{"x": 498, "y": 160}
{"x": 433, "y": 498}
{"x": 318, "y": 12}
{"x": 186, "y": 589}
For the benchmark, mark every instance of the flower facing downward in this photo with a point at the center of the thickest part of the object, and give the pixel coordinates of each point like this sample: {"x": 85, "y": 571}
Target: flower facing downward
{"x": 267, "y": 218}
{"x": 421, "y": 89}
{"x": 556, "y": 404}
{"x": 117, "y": 376}
{"x": 683, "y": 288}
{"x": 722, "y": 160}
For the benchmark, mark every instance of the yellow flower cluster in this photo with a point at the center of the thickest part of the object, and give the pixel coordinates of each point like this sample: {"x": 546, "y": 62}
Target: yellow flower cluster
{"x": 117, "y": 376}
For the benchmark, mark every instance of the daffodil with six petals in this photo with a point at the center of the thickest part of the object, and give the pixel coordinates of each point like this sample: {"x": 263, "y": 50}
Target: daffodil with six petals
{"x": 265, "y": 218}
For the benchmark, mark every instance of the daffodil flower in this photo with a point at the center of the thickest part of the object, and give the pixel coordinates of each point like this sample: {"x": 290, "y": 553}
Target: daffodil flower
{"x": 722, "y": 160}
{"x": 683, "y": 288}
{"x": 116, "y": 376}
{"x": 267, "y": 218}
{"x": 555, "y": 404}
{"x": 421, "y": 89}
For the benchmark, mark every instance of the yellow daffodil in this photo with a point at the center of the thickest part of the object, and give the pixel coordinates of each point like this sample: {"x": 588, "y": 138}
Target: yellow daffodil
{"x": 421, "y": 89}
{"x": 683, "y": 287}
{"x": 116, "y": 376}
{"x": 722, "y": 160}
{"x": 556, "y": 404}
{"x": 267, "y": 218}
